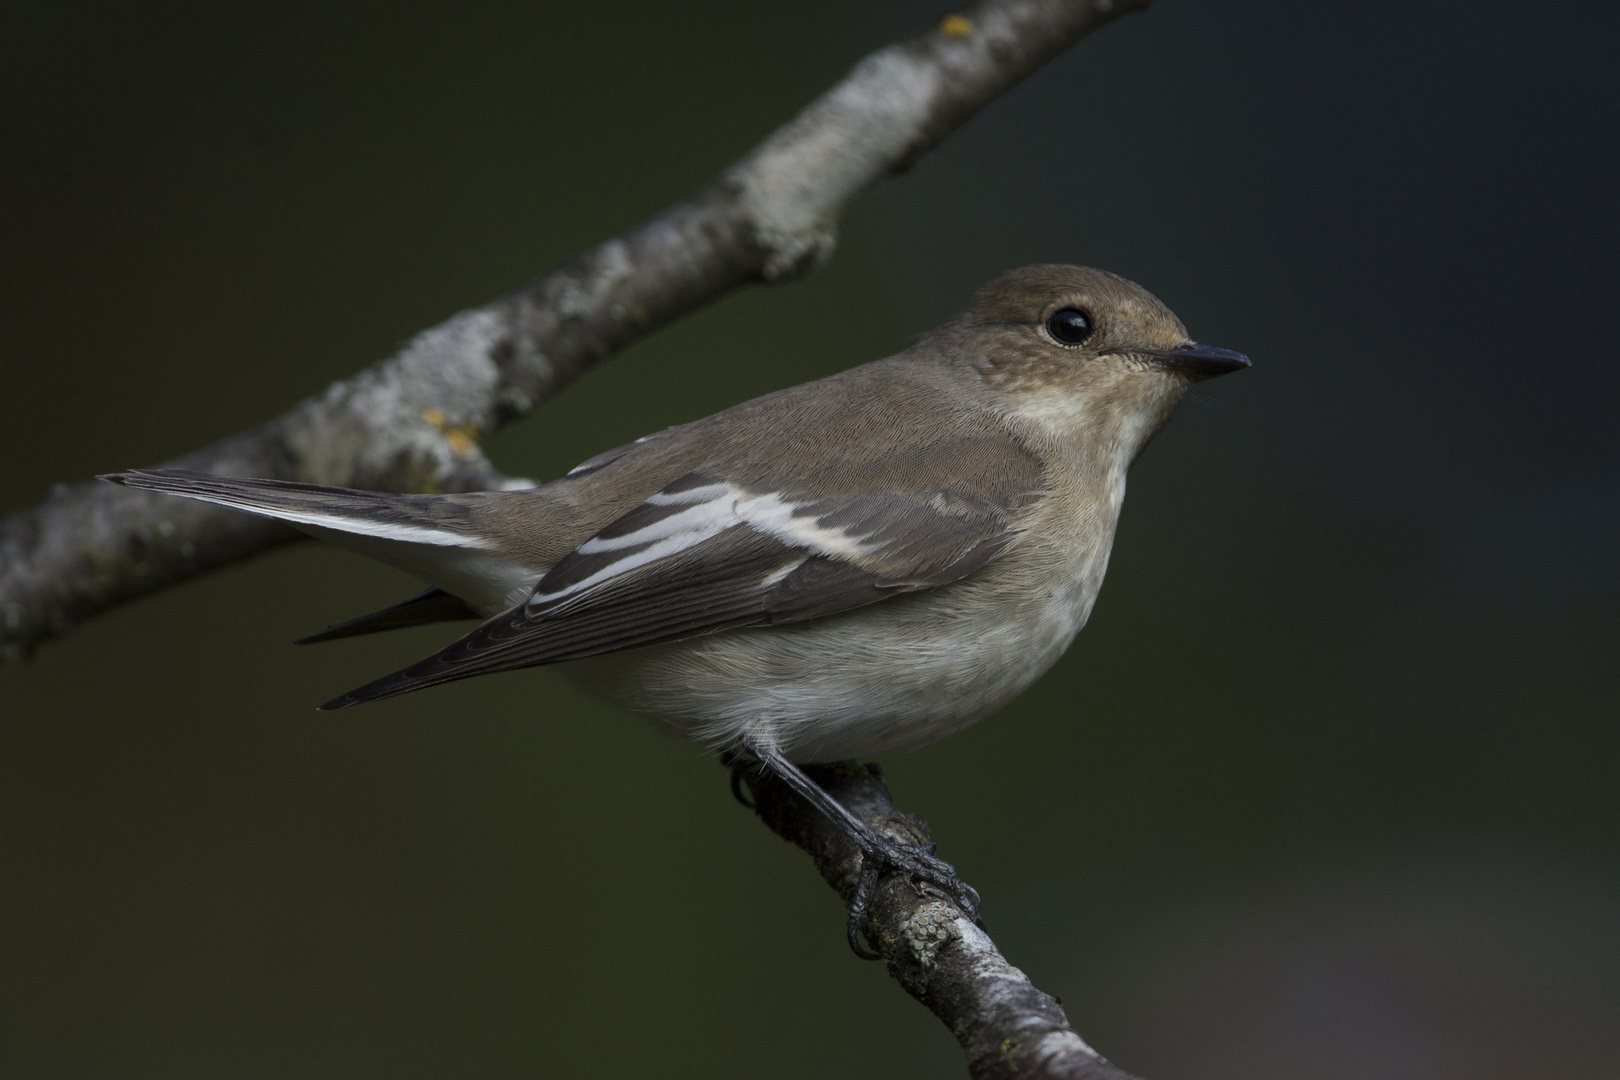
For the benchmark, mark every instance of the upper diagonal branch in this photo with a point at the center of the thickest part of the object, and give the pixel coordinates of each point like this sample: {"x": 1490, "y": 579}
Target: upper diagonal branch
{"x": 412, "y": 422}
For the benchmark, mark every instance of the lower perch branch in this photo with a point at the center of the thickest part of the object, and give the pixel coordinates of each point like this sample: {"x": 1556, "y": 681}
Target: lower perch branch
{"x": 1006, "y": 1026}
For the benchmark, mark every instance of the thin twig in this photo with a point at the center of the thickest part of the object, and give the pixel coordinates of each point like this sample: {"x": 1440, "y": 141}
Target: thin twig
{"x": 412, "y": 422}
{"x": 1006, "y": 1026}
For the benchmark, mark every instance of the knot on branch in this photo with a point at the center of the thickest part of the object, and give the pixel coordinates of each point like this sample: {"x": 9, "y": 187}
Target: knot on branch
{"x": 786, "y": 254}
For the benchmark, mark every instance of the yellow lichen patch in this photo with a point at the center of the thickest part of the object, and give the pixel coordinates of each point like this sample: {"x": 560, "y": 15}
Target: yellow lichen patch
{"x": 956, "y": 26}
{"x": 1009, "y": 1050}
{"x": 461, "y": 439}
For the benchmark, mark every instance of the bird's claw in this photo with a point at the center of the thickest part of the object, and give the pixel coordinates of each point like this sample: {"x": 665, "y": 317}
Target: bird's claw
{"x": 879, "y": 854}
{"x": 923, "y": 867}
{"x": 739, "y": 771}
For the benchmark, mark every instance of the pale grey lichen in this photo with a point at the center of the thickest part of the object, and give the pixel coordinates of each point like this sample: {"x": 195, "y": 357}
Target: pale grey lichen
{"x": 930, "y": 929}
{"x": 371, "y": 429}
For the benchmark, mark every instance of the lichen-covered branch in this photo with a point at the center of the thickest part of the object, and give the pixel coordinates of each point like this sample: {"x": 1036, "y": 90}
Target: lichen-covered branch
{"x": 412, "y": 422}
{"x": 1006, "y": 1026}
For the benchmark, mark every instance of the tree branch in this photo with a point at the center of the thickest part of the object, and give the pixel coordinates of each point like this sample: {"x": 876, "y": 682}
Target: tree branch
{"x": 411, "y": 423}
{"x": 1006, "y": 1026}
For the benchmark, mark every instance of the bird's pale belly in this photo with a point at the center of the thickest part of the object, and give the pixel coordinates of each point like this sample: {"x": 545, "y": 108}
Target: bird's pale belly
{"x": 892, "y": 676}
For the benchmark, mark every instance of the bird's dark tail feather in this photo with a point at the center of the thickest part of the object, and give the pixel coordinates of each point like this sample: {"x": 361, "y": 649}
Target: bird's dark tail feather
{"x": 500, "y": 644}
{"x": 433, "y": 606}
{"x": 419, "y": 676}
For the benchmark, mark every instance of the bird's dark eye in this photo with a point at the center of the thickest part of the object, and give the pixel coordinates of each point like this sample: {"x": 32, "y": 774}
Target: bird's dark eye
{"x": 1069, "y": 326}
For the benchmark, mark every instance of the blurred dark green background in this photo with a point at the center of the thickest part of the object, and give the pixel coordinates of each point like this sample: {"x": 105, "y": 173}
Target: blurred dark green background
{"x": 1329, "y": 788}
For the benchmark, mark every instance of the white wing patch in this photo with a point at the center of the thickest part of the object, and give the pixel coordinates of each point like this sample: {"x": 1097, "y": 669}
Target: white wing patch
{"x": 771, "y": 514}
{"x": 707, "y": 511}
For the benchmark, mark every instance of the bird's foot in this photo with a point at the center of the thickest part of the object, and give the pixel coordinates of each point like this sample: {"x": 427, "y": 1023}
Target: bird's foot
{"x": 917, "y": 862}
{"x": 879, "y": 854}
{"x": 740, "y": 768}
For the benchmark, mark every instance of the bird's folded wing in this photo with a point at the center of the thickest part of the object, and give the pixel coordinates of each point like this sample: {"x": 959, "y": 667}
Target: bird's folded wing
{"x": 712, "y": 551}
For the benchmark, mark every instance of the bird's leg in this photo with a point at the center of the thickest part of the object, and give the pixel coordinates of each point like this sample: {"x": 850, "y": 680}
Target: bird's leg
{"x": 739, "y": 766}
{"x": 878, "y": 852}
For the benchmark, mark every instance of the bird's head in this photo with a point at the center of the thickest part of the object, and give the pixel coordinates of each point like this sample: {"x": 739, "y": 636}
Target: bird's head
{"x": 1082, "y": 354}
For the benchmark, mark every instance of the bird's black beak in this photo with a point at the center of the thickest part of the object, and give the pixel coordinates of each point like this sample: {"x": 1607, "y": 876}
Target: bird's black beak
{"x": 1197, "y": 361}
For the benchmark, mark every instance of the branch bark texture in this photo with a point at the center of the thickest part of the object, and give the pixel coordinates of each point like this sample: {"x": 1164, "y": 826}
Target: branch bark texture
{"x": 412, "y": 422}
{"x": 1006, "y": 1026}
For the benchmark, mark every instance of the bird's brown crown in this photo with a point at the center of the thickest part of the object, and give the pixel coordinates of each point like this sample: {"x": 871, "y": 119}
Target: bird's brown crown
{"x": 1042, "y": 326}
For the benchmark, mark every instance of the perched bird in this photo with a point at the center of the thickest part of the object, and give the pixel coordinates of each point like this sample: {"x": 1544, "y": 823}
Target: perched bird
{"x": 857, "y": 565}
